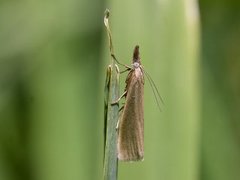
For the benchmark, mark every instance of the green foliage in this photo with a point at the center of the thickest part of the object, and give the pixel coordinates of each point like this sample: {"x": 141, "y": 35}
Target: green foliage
{"x": 53, "y": 58}
{"x": 111, "y": 113}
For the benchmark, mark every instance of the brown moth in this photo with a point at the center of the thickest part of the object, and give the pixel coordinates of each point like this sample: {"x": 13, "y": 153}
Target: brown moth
{"x": 131, "y": 123}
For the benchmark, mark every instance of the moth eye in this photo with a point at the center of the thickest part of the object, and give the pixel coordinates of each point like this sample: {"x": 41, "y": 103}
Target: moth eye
{"x": 135, "y": 65}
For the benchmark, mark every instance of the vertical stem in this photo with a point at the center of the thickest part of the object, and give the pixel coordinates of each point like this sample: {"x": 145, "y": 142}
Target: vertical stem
{"x": 111, "y": 113}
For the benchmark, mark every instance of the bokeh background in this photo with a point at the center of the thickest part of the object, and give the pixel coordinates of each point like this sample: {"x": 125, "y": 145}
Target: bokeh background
{"x": 53, "y": 58}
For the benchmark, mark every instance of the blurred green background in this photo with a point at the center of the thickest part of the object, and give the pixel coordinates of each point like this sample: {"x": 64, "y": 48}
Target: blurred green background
{"x": 53, "y": 58}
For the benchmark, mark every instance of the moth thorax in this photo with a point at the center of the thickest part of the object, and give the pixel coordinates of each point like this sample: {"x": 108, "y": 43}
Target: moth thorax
{"x": 135, "y": 65}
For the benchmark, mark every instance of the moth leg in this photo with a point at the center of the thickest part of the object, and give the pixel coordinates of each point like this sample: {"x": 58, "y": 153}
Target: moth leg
{"x": 117, "y": 124}
{"x": 119, "y": 118}
{"x": 128, "y": 69}
{"x": 126, "y": 66}
{"x": 115, "y": 102}
{"x": 121, "y": 108}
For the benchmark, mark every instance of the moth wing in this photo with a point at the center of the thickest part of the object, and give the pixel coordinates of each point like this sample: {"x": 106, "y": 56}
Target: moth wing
{"x": 131, "y": 124}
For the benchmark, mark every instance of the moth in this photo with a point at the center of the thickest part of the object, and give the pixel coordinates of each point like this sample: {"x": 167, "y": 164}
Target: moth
{"x": 130, "y": 142}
